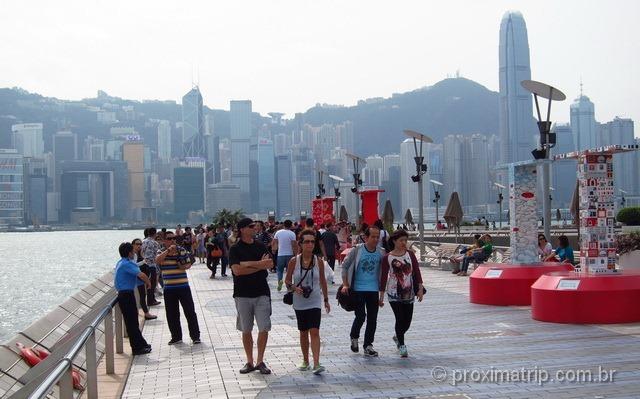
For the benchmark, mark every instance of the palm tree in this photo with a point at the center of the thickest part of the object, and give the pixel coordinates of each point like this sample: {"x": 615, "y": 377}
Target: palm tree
{"x": 225, "y": 217}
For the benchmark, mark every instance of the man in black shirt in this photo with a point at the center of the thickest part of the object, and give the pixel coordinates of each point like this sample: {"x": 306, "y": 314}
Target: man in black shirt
{"x": 331, "y": 245}
{"x": 250, "y": 261}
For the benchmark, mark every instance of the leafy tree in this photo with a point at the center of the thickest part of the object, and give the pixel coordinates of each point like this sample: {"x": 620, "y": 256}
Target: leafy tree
{"x": 225, "y": 217}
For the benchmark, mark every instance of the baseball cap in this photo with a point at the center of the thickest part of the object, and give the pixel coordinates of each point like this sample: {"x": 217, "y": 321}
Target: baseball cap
{"x": 244, "y": 222}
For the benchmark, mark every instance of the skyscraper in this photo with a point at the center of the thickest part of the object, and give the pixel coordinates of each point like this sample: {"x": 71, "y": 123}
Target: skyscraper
{"x": 65, "y": 146}
{"x": 583, "y": 123}
{"x": 28, "y": 140}
{"x": 283, "y": 184}
{"x": 621, "y": 131}
{"x": 266, "y": 177}
{"x": 193, "y": 125}
{"x": 133, "y": 155}
{"x": 516, "y": 122}
{"x": 563, "y": 171}
{"x": 240, "y": 143}
{"x": 164, "y": 140}
{"x": 12, "y": 189}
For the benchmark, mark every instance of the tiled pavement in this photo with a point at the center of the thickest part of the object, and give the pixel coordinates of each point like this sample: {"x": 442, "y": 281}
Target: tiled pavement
{"x": 447, "y": 332}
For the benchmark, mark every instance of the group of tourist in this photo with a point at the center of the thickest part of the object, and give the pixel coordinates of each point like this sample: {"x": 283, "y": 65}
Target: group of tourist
{"x": 378, "y": 268}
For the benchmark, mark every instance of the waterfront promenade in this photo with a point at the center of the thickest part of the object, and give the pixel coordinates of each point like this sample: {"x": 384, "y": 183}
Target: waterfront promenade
{"x": 448, "y": 335}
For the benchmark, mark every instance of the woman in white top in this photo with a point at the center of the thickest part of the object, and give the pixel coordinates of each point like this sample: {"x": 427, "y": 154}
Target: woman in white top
{"x": 306, "y": 279}
{"x": 544, "y": 247}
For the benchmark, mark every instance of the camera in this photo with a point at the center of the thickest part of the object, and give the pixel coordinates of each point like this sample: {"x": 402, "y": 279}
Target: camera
{"x": 306, "y": 291}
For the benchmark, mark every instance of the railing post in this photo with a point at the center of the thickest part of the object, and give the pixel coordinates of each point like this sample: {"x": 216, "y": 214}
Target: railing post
{"x": 118, "y": 317}
{"x": 92, "y": 366}
{"x": 66, "y": 383}
{"x": 108, "y": 342}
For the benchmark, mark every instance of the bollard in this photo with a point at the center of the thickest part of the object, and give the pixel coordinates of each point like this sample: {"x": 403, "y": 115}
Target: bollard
{"x": 108, "y": 343}
{"x": 92, "y": 367}
{"x": 119, "y": 338}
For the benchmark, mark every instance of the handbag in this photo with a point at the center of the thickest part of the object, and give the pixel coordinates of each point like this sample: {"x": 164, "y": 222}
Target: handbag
{"x": 287, "y": 299}
{"x": 216, "y": 253}
{"x": 415, "y": 286}
{"x": 348, "y": 301}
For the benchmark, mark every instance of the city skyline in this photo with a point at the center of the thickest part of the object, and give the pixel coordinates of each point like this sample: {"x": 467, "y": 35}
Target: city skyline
{"x": 301, "y": 67}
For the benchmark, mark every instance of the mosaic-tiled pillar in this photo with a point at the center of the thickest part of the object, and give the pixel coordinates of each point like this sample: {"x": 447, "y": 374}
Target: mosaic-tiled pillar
{"x": 597, "y": 203}
{"x": 523, "y": 213}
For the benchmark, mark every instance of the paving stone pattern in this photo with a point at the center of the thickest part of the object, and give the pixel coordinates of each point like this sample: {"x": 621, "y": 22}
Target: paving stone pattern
{"x": 447, "y": 332}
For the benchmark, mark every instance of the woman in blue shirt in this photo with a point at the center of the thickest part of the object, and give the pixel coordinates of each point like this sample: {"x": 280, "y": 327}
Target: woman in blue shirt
{"x": 564, "y": 253}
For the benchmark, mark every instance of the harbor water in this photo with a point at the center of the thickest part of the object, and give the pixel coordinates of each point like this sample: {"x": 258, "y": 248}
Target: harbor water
{"x": 40, "y": 270}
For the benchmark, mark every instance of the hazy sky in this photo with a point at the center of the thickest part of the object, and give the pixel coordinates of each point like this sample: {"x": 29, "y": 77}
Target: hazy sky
{"x": 287, "y": 55}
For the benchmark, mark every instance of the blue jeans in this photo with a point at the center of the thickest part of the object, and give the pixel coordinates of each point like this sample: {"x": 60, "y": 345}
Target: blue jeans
{"x": 477, "y": 258}
{"x": 283, "y": 261}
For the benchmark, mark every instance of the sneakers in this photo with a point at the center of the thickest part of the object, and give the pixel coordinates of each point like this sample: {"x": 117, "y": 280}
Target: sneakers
{"x": 197, "y": 341}
{"x": 143, "y": 351}
{"x": 369, "y": 352}
{"x": 395, "y": 340}
{"x": 263, "y": 368}
{"x": 403, "y": 351}
{"x": 154, "y": 303}
{"x": 354, "y": 345}
{"x": 304, "y": 366}
{"x": 280, "y": 282}
{"x": 175, "y": 341}
{"x": 212, "y": 277}
{"x": 319, "y": 369}
{"x": 248, "y": 367}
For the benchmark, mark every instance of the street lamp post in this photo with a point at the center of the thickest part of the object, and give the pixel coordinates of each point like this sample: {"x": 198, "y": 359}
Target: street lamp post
{"x": 358, "y": 163}
{"x": 336, "y": 190}
{"x": 421, "y": 169}
{"x": 547, "y": 141}
{"x": 500, "y": 199}
{"x": 436, "y": 197}
{"x": 321, "y": 189}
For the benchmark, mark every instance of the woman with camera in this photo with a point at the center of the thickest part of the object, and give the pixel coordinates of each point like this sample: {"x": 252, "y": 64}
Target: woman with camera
{"x": 306, "y": 279}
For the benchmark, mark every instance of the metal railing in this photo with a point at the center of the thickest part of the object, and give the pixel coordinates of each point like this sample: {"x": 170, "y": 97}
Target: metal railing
{"x": 58, "y": 367}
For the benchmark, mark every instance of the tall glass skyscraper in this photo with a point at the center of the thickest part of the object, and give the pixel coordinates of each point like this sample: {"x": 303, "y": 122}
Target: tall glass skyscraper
{"x": 517, "y": 126}
{"x": 240, "y": 112}
{"x": 193, "y": 125}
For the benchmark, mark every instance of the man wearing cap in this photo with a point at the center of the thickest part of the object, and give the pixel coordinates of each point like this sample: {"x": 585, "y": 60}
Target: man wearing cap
{"x": 250, "y": 262}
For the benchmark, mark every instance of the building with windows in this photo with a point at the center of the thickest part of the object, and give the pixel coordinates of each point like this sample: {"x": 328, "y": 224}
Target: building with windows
{"x": 240, "y": 113}
{"x": 517, "y": 126}
{"x": 188, "y": 190}
{"x": 11, "y": 188}
{"x": 193, "y": 145}
{"x": 28, "y": 140}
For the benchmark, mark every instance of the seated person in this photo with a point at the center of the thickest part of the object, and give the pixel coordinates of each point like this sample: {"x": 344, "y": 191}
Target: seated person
{"x": 564, "y": 252}
{"x": 477, "y": 255}
{"x": 544, "y": 247}
{"x": 464, "y": 250}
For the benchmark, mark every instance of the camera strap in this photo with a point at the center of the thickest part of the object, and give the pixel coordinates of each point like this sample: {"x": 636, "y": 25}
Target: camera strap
{"x": 313, "y": 264}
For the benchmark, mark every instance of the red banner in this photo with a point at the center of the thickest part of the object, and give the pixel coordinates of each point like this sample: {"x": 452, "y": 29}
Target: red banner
{"x": 322, "y": 211}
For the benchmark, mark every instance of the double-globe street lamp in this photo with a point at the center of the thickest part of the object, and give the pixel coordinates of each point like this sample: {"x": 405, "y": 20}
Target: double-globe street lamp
{"x": 358, "y": 164}
{"x": 499, "y": 201}
{"x": 421, "y": 169}
{"x": 336, "y": 191}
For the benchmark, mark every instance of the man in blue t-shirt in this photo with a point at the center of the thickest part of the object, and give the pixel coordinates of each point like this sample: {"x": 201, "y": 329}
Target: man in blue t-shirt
{"x": 366, "y": 259}
{"x": 126, "y": 277}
